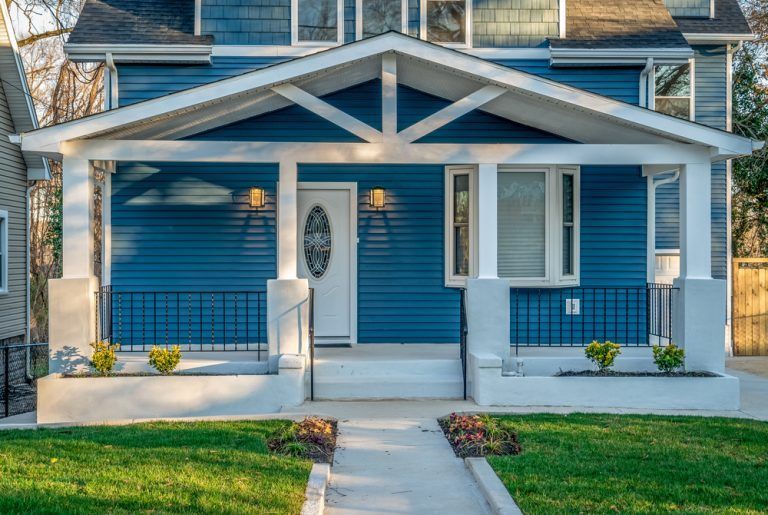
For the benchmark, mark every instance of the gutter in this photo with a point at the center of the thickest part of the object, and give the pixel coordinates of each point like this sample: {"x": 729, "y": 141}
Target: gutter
{"x": 704, "y": 38}
{"x": 28, "y": 332}
{"x": 139, "y": 53}
{"x": 619, "y": 56}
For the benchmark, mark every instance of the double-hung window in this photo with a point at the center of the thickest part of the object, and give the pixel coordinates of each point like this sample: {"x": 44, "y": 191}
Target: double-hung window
{"x": 674, "y": 90}
{"x": 447, "y": 22}
{"x": 379, "y": 16}
{"x": 317, "y": 22}
{"x": 537, "y": 225}
{"x": 3, "y": 251}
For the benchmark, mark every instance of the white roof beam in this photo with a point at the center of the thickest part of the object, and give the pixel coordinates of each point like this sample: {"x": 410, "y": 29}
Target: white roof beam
{"x": 451, "y": 112}
{"x": 329, "y": 112}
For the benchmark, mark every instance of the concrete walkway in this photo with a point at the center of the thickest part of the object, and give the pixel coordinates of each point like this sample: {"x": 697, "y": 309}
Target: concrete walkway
{"x": 399, "y": 465}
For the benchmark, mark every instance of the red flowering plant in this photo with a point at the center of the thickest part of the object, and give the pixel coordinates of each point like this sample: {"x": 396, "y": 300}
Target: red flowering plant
{"x": 478, "y": 435}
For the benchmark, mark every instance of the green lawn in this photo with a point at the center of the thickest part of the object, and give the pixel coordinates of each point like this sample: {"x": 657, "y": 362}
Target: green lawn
{"x": 214, "y": 467}
{"x": 610, "y": 463}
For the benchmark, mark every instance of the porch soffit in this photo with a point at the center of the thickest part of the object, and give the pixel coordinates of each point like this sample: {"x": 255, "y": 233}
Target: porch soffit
{"x": 530, "y": 100}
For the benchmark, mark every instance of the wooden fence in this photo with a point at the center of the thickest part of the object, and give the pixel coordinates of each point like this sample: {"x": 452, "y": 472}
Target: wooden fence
{"x": 750, "y": 307}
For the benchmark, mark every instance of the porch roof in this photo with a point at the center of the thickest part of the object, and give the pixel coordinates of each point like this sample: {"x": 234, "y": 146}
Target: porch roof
{"x": 525, "y": 98}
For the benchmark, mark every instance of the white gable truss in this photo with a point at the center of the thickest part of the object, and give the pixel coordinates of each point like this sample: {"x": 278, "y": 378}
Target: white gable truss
{"x": 608, "y": 131}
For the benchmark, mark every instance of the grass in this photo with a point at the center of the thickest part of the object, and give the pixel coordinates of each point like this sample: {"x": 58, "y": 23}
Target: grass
{"x": 636, "y": 464}
{"x": 164, "y": 467}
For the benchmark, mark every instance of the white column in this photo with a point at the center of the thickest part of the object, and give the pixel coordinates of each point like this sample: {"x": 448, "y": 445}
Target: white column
{"x": 487, "y": 221}
{"x": 696, "y": 221}
{"x": 77, "y": 211}
{"x": 699, "y": 304}
{"x": 287, "y": 224}
{"x": 106, "y": 231}
{"x": 389, "y": 96}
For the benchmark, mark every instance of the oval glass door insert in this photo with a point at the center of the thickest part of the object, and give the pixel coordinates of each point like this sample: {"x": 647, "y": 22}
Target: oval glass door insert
{"x": 317, "y": 241}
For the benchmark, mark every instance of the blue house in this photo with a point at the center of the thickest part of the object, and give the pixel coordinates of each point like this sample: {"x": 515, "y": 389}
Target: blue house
{"x": 524, "y": 173}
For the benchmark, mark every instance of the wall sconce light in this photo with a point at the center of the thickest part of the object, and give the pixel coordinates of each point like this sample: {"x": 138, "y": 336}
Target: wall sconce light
{"x": 378, "y": 197}
{"x": 257, "y": 197}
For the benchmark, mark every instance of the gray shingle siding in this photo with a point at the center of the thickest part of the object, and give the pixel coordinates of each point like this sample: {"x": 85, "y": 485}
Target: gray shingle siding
{"x": 13, "y": 183}
{"x": 514, "y": 23}
{"x": 690, "y": 8}
{"x": 247, "y": 22}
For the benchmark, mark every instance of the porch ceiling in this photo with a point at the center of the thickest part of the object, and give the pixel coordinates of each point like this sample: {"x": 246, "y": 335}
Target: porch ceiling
{"x": 528, "y": 99}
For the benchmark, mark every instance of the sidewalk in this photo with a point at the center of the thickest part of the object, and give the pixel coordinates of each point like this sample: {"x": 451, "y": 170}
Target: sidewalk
{"x": 399, "y": 465}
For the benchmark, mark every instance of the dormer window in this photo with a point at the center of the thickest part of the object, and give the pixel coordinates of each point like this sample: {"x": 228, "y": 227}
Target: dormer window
{"x": 379, "y": 16}
{"x": 317, "y": 22}
{"x": 446, "y": 22}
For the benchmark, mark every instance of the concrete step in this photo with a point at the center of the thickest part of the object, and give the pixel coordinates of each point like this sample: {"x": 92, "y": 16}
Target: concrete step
{"x": 390, "y": 379}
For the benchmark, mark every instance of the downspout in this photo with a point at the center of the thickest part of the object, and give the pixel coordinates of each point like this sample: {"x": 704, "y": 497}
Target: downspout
{"x": 644, "y": 79}
{"x": 28, "y": 334}
{"x": 110, "y": 83}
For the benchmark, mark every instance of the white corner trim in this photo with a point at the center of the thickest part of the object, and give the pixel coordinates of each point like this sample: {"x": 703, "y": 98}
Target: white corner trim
{"x": 329, "y": 112}
{"x": 563, "y": 19}
{"x": 451, "y": 112}
{"x": 198, "y": 17}
{"x": 4, "y": 247}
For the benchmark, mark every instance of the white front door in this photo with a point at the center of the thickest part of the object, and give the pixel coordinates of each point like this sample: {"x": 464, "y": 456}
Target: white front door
{"x": 326, "y": 258}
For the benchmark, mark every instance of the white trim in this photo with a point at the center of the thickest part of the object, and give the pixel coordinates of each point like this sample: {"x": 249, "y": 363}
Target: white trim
{"x": 287, "y": 221}
{"x": 139, "y": 53}
{"x": 692, "y": 62}
{"x": 728, "y": 202}
{"x": 652, "y": 185}
{"x": 619, "y": 55}
{"x": 451, "y": 171}
{"x": 711, "y": 9}
{"x": 106, "y": 231}
{"x": 353, "y": 236}
{"x": 198, "y": 17}
{"x": 451, "y": 112}
{"x": 487, "y": 266}
{"x": 359, "y": 18}
{"x": 704, "y": 38}
{"x": 389, "y": 95}
{"x": 4, "y": 246}
{"x": 327, "y": 111}
{"x": 725, "y": 143}
{"x": 563, "y": 21}
{"x": 291, "y": 51}
{"x": 574, "y": 277}
{"x": 423, "y": 33}
{"x": 295, "y": 27}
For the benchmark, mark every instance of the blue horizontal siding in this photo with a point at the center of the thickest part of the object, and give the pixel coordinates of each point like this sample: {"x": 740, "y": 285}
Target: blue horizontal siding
{"x": 189, "y": 227}
{"x": 401, "y": 293}
{"x": 613, "y": 255}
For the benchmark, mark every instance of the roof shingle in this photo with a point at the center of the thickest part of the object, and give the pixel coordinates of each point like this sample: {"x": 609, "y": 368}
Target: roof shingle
{"x": 137, "y": 22}
{"x": 729, "y": 19}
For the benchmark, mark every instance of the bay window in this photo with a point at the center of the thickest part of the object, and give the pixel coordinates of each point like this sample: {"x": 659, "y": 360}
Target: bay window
{"x": 446, "y": 22}
{"x": 317, "y": 22}
{"x": 537, "y": 225}
{"x": 674, "y": 90}
{"x": 379, "y": 16}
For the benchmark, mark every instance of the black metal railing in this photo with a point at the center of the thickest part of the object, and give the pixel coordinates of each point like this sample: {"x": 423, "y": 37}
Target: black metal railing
{"x": 193, "y": 320}
{"x": 311, "y": 323}
{"x": 20, "y": 367}
{"x": 463, "y": 331}
{"x": 573, "y": 317}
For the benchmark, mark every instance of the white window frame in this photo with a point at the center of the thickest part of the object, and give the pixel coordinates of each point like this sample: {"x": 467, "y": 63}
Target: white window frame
{"x": 451, "y": 279}
{"x": 691, "y": 97}
{"x": 553, "y": 237}
{"x": 3, "y": 252}
{"x": 467, "y": 29}
{"x": 359, "y": 18}
{"x": 295, "y": 27}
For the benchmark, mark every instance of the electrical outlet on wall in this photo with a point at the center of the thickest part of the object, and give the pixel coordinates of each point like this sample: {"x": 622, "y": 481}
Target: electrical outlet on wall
{"x": 572, "y": 306}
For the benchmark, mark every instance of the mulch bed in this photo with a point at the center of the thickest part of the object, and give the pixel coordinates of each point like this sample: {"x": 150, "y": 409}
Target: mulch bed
{"x": 476, "y": 436}
{"x": 313, "y": 438}
{"x": 614, "y": 373}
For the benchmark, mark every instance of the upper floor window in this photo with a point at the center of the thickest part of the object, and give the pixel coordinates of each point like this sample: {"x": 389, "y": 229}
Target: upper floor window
{"x": 317, "y": 22}
{"x": 379, "y": 16}
{"x": 446, "y": 21}
{"x": 674, "y": 90}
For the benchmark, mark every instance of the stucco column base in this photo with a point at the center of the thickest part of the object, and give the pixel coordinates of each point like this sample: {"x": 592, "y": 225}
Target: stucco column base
{"x": 71, "y": 323}
{"x": 698, "y": 315}
{"x": 488, "y": 317}
{"x": 287, "y": 318}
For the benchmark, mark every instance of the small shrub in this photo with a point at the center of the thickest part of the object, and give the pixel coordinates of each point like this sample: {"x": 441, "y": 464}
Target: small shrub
{"x": 669, "y": 358}
{"x": 104, "y": 358}
{"x": 313, "y": 438}
{"x": 603, "y": 354}
{"x": 478, "y": 435}
{"x": 163, "y": 360}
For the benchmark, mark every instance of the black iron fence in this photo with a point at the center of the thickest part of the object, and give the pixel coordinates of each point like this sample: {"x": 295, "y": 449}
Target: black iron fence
{"x": 193, "y": 320}
{"x": 632, "y": 316}
{"x": 20, "y": 367}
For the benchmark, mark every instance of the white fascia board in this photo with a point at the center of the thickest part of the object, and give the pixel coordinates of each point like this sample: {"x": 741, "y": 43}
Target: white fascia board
{"x": 704, "y": 39}
{"x": 292, "y": 51}
{"x": 139, "y": 53}
{"x": 486, "y": 71}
